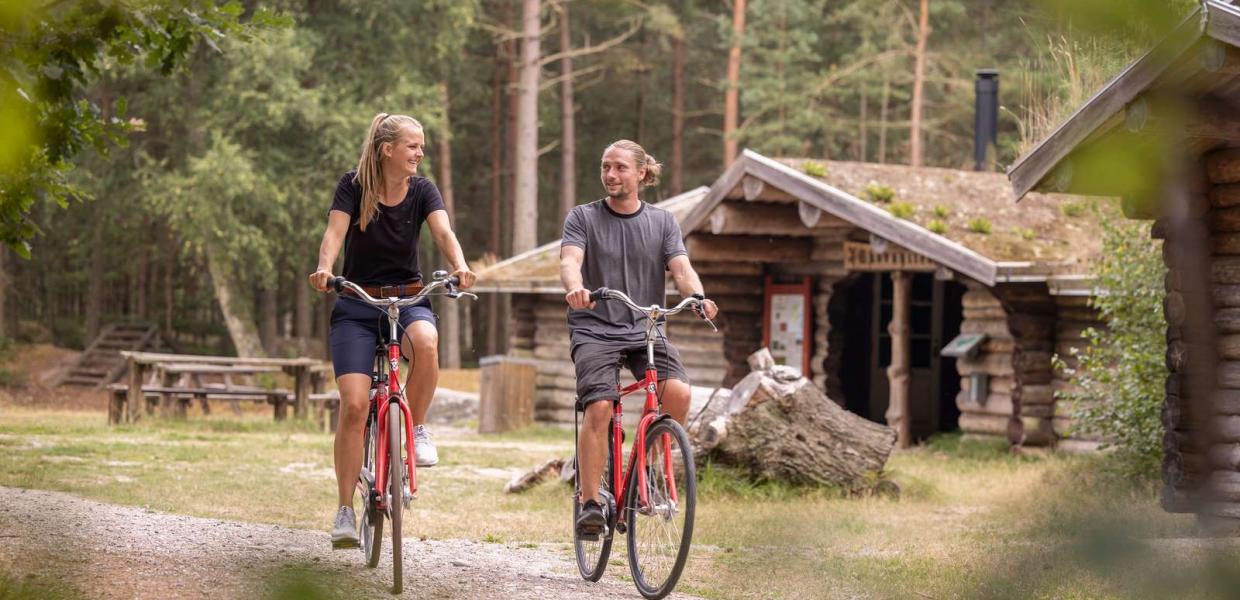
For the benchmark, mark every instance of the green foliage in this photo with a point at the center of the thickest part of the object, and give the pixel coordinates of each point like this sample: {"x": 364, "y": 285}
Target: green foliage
{"x": 1118, "y": 381}
{"x": 50, "y": 53}
{"x": 878, "y": 193}
{"x": 937, "y": 226}
{"x": 814, "y": 169}
{"x": 980, "y": 225}
{"x": 901, "y": 210}
{"x": 941, "y": 212}
{"x": 1074, "y": 208}
{"x": 1025, "y": 233}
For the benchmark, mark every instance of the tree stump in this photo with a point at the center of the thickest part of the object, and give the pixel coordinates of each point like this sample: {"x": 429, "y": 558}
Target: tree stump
{"x": 779, "y": 426}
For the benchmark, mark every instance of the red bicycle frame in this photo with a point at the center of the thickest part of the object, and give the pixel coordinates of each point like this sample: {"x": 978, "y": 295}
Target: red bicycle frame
{"x": 383, "y": 398}
{"x": 637, "y": 458}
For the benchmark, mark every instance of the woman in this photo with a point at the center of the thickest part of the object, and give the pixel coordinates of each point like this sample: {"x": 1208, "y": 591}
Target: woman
{"x": 377, "y": 213}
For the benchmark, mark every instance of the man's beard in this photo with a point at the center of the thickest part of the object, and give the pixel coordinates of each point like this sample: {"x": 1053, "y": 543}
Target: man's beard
{"x": 618, "y": 194}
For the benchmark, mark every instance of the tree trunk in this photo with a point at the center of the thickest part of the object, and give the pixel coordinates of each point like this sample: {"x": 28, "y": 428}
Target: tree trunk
{"x": 525, "y": 221}
{"x": 301, "y": 307}
{"x": 94, "y": 285}
{"x": 882, "y": 121}
{"x": 269, "y": 318}
{"x": 6, "y": 281}
{"x": 170, "y": 264}
{"x": 677, "y": 181}
{"x": 450, "y": 356}
{"x": 237, "y": 316}
{"x": 863, "y": 134}
{"x": 919, "y": 76}
{"x": 731, "y": 99}
{"x": 568, "y": 132}
{"x": 781, "y": 427}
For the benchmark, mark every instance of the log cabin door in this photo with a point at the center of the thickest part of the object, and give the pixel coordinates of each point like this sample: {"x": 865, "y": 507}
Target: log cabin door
{"x": 934, "y": 319}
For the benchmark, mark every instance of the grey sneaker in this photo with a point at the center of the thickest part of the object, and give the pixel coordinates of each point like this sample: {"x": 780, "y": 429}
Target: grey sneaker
{"x": 427, "y": 455}
{"x": 344, "y": 533}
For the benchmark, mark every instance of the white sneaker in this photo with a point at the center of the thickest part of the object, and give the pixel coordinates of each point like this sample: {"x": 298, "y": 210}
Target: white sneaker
{"x": 425, "y": 451}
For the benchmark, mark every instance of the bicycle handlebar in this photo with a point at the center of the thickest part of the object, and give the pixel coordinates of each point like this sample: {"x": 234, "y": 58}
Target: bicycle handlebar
{"x": 653, "y": 311}
{"x": 441, "y": 279}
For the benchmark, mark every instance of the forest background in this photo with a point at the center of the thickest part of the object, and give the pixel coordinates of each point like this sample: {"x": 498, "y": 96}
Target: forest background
{"x": 205, "y": 211}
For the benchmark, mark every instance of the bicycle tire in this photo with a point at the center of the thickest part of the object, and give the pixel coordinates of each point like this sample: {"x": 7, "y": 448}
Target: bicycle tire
{"x": 370, "y": 530}
{"x": 656, "y": 560}
{"x": 592, "y": 555}
{"x": 395, "y": 486}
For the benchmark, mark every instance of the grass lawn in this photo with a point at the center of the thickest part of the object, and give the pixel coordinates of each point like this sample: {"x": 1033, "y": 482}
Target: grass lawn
{"x": 972, "y": 520}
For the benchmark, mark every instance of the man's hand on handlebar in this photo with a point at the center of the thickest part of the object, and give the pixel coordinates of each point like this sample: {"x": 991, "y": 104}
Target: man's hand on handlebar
{"x": 579, "y": 298}
{"x": 319, "y": 279}
{"x": 707, "y": 309}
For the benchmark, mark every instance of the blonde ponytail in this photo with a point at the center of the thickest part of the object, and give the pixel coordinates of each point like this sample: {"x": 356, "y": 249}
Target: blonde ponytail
{"x": 384, "y": 128}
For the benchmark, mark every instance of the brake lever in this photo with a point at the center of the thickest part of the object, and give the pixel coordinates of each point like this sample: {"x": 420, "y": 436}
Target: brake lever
{"x": 454, "y": 295}
{"x": 701, "y": 313}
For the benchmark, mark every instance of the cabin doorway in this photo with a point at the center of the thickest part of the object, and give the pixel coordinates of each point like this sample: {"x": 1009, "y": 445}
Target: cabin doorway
{"x": 861, "y": 308}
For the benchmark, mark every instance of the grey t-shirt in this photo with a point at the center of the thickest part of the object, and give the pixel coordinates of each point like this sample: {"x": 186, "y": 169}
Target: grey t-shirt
{"x": 623, "y": 252}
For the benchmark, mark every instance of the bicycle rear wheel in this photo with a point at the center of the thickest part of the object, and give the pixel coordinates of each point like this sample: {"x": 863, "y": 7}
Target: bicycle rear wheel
{"x": 661, "y": 527}
{"x": 395, "y": 486}
{"x": 371, "y": 527}
{"x": 592, "y": 555}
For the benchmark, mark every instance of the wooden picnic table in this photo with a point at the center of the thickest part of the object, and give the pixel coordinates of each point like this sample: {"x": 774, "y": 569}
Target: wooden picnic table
{"x": 309, "y": 375}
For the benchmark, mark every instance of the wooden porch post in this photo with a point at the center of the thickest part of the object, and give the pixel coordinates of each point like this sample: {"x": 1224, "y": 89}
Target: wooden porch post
{"x": 898, "y": 372}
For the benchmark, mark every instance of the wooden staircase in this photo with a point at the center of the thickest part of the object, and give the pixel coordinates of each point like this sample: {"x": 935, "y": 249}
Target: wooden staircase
{"x": 102, "y": 362}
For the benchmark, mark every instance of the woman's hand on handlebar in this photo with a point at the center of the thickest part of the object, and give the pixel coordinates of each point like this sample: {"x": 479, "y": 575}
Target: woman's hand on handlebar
{"x": 579, "y": 298}
{"x": 465, "y": 277}
{"x": 319, "y": 278}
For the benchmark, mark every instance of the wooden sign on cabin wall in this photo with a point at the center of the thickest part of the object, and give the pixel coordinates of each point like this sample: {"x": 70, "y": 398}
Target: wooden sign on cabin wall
{"x": 786, "y": 323}
{"x": 862, "y": 257}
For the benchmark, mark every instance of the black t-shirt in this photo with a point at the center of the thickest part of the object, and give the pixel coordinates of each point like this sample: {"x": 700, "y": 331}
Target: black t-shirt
{"x": 387, "y": 252}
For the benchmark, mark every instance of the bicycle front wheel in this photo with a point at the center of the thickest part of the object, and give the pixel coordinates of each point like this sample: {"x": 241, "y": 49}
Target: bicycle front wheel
{"x": 396, "y": 486}
{"x": 371, "y": 527}
{"x": 661, "y": 524}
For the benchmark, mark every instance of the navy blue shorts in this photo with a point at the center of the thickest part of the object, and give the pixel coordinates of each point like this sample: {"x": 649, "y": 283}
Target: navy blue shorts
{"x": 357, "y": 328}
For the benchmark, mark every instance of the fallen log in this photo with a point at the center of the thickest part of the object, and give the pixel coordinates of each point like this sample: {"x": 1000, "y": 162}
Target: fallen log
{"x": 779, "y": 426}
{"x": 547, "y": 470}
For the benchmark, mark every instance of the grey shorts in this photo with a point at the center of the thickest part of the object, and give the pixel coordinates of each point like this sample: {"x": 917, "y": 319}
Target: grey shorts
{"x": 598, "y": 368}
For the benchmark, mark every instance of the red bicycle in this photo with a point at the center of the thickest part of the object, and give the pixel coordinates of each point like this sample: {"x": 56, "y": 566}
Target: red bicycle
{"x": 388, "y": 481}
{"x": 658, "y": 490}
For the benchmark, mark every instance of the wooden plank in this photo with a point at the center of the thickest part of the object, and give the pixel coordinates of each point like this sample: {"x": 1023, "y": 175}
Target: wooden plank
{"x": 749, "y": 248}
{"x": 761, "y": 218}
{"x": 898, "y": 373}
{"x": 1030, "y": 169}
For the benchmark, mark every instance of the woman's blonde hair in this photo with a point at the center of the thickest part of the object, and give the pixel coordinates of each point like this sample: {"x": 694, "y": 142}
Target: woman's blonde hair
{"x": 384, "y": 129}
{"x": 640, "y": 159}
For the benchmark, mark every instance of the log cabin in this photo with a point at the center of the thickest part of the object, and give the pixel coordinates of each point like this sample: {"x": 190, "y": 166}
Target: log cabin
{"x": 916, "y": 297}
{"x": 1164, "y": 136}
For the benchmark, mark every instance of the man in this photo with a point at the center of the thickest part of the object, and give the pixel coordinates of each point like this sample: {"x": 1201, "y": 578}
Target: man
{"x": 620, "y": 242}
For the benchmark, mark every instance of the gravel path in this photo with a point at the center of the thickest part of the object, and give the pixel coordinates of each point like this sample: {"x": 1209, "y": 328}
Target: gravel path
{"x": 109, "y": 551}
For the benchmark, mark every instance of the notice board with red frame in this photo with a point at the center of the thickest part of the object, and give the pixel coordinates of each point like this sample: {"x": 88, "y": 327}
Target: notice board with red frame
{"x": 786, "y": 323}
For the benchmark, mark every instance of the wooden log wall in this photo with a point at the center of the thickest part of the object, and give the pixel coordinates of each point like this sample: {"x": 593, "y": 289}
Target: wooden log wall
{"x": 543, "y": 316}
{"x": 983, "y": 313}
{"x": 1074, "y": 317}
{"x": 1031, "y": 321}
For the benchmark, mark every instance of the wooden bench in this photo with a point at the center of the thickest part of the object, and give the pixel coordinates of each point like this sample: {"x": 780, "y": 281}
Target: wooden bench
{"x": 175, "y": 380}
{"x": 175, "y": 401}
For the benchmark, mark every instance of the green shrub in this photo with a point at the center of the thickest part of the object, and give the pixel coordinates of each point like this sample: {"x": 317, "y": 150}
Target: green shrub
{"x": 1073, "y": 209}
{"x": 901, "y": 210}
{"x": 941, "y": 212}
{"x": 814, "y": 169}
{"x": 1025, "y": 233}
{"x": 1118, "y": 381}
{"x": 937, "y": 226}
{"x": 980, "y": 225}
{"x": 879, "y": 194}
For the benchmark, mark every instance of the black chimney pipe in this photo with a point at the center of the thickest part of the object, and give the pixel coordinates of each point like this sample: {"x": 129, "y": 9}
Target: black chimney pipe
{"x": 986, "y": 116}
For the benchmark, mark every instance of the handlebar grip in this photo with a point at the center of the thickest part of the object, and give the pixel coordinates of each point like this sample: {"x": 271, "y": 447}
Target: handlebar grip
{"x": 336, "y": 283}
{"x": 454, "y": 281}
{"x": 600, "y": 294}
